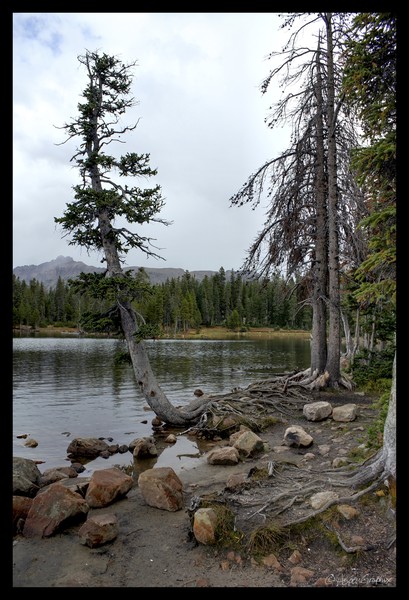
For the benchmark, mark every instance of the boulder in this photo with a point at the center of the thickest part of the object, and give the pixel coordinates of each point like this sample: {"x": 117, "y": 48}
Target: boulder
{"x": 161, "y": 487}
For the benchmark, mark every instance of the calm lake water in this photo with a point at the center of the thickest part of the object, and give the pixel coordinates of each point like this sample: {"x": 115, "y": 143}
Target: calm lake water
{"x": 68, "y": 387}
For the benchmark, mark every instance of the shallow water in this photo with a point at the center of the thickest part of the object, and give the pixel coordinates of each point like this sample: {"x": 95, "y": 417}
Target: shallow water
{"x": 68, "y": 387}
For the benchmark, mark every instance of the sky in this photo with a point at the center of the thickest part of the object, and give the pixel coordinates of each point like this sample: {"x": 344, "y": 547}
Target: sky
{"x": 200, "y": 114}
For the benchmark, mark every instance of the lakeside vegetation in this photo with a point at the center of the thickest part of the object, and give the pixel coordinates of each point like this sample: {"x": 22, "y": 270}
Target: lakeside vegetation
{"x": 204, "y": 333}
{"x": 179, "y": 307}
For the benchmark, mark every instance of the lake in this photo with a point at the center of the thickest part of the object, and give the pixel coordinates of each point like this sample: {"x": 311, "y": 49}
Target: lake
{"x": 68, "y": 387}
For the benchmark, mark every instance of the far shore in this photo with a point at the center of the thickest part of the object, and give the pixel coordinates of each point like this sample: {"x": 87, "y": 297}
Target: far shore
{"x": 202, "y": 333}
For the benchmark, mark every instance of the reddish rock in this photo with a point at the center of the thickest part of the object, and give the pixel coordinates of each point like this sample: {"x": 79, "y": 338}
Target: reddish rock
{"x": 161, "y": 488}
{"x": 98, "y": 530}
{"x": 21, "y": 507}
{"x": 107, "y": 486}
{"x": 204, "y": 525}
{"x": 53, "y": 509}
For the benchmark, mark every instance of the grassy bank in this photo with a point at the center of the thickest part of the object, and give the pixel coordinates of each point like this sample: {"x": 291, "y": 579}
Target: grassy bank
{"x": 204, "y": 333}
{"x": 221, "y": 333}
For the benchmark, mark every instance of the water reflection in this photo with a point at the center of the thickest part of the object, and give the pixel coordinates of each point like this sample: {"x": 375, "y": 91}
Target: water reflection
{"x": 73, "y": 384}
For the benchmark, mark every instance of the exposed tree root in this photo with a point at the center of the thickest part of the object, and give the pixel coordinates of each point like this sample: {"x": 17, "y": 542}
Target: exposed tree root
{"x": 348, "y": 549}
{"x": 285, "y": 394}
{"x": 285, "y": 493}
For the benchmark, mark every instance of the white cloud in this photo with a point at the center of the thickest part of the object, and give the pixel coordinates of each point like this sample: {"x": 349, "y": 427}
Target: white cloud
{"x": 201, "y": 119}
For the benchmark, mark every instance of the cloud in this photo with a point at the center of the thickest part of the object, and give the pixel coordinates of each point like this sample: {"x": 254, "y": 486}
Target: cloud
{"x": 200, "y": 116}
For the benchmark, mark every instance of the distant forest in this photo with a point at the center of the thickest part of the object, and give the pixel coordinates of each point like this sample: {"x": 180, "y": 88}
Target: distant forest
{"x": 174, "y": 306}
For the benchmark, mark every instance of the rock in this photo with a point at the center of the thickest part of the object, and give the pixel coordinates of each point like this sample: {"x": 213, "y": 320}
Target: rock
{"x": 143, "y": 448}
{"x": 26, "y": 477}
{"x": 31, "y": 443}
{"x": 249, "y": 444}
{"x": 161, "y": 488}
{"x": 86, "y": 448}
{"x": 348, "y": 512}
{"x": 52, "y": 509}
{"x": 318, "y": 500}
{"x": 300, "y": 575}
{"x": 297, "y": 437}
{"x": 236, "y": 481}
{"x": 345, "y": 413}
{"x": 98, "y": 530}
{"x": 223, "y": 456}
{"x": 107, "y": 486}
{"x": 339, "y": 462}
{"x": 295, "y": 557}
{"x": 21, "y": 507}
{"x": 317, "y": 411}
{"x": 272, "y": 561}
{"x": 52, "y": 475}
{"x": 204, "y": 525}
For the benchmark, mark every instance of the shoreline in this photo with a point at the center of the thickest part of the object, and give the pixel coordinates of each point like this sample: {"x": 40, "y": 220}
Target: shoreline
{"x": 203, "y": 333}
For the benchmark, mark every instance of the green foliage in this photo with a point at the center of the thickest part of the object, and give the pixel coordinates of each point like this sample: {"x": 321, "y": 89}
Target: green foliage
{"x": 226, "y": 533}
{"x": 126, "y": 286}
{"x": 100, "y": 202}
{"x": 147, "y": 331}
{"x": 373, "y": 369}
{"x": 234, "y": 321}
{"x": 375, "y": 431}
{"x": 178, "y": 304}
{"x": 99, "y": 323}
{"x": 122, "y": 357}
{"x": 369, "y": 84}
{"x": 372, "y": 372}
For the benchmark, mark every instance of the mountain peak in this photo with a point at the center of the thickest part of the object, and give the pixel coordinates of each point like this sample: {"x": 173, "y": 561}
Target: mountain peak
{"x": 65, "y": 267}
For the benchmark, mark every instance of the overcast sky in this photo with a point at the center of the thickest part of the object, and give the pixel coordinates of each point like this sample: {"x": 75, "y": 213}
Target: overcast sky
{"x": 201, "y": 118}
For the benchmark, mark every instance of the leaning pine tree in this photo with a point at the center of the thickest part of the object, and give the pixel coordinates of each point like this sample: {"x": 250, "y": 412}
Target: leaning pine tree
{"x": 100, "y": 201}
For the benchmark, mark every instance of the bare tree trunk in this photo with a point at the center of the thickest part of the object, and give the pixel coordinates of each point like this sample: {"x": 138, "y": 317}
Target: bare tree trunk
{"x": 334, "y": 330}
{"x": 383, "y": 465}
{"x": 357, "y": 342}
{"x": 372, "y": 338}
{"x": 144, "y": 375}
{"x": 349, "y": 345}
{"x": 320, "y": 267}
{"x": 146, "y": 380}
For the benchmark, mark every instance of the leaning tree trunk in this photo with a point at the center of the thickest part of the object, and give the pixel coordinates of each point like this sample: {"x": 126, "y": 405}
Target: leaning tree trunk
{"x": 146, "y": 379}
{"x": 144, "y": 375}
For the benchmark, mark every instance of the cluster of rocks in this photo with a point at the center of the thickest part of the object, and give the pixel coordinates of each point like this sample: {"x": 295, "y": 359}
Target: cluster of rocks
{"x": 245, "y": 443}
{"x": 43, "y": 510}
{"x": 46, "y": 503}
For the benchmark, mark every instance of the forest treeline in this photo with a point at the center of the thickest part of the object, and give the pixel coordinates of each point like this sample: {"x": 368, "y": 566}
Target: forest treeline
{"x": 175, "y": 306}
{"x": 235, "y": 302}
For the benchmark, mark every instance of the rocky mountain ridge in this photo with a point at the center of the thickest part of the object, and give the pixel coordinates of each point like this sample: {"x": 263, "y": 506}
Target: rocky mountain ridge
{"x": 67, "y": 268}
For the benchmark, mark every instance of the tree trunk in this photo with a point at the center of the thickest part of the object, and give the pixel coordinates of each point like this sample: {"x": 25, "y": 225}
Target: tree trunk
{"x": 383, "y": 465}
{"x": 144, "y": 375}
{"x": 334, "y": 329}
{"x": 349, "y": 344}
{"x": 357, "y": 342}
{"x": 320, "y": 268}
{"x": 146, "y": 380}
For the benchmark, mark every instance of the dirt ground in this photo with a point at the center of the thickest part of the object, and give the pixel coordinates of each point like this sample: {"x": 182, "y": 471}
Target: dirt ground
{"x": 156, "y": 548}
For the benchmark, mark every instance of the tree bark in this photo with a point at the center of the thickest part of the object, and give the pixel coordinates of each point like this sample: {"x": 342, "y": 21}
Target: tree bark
{"x": 147, "y": 381}
{"x": 383, "y": 465}
{"x": 320, "y": 267}
{"x": 334, "y": 327}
